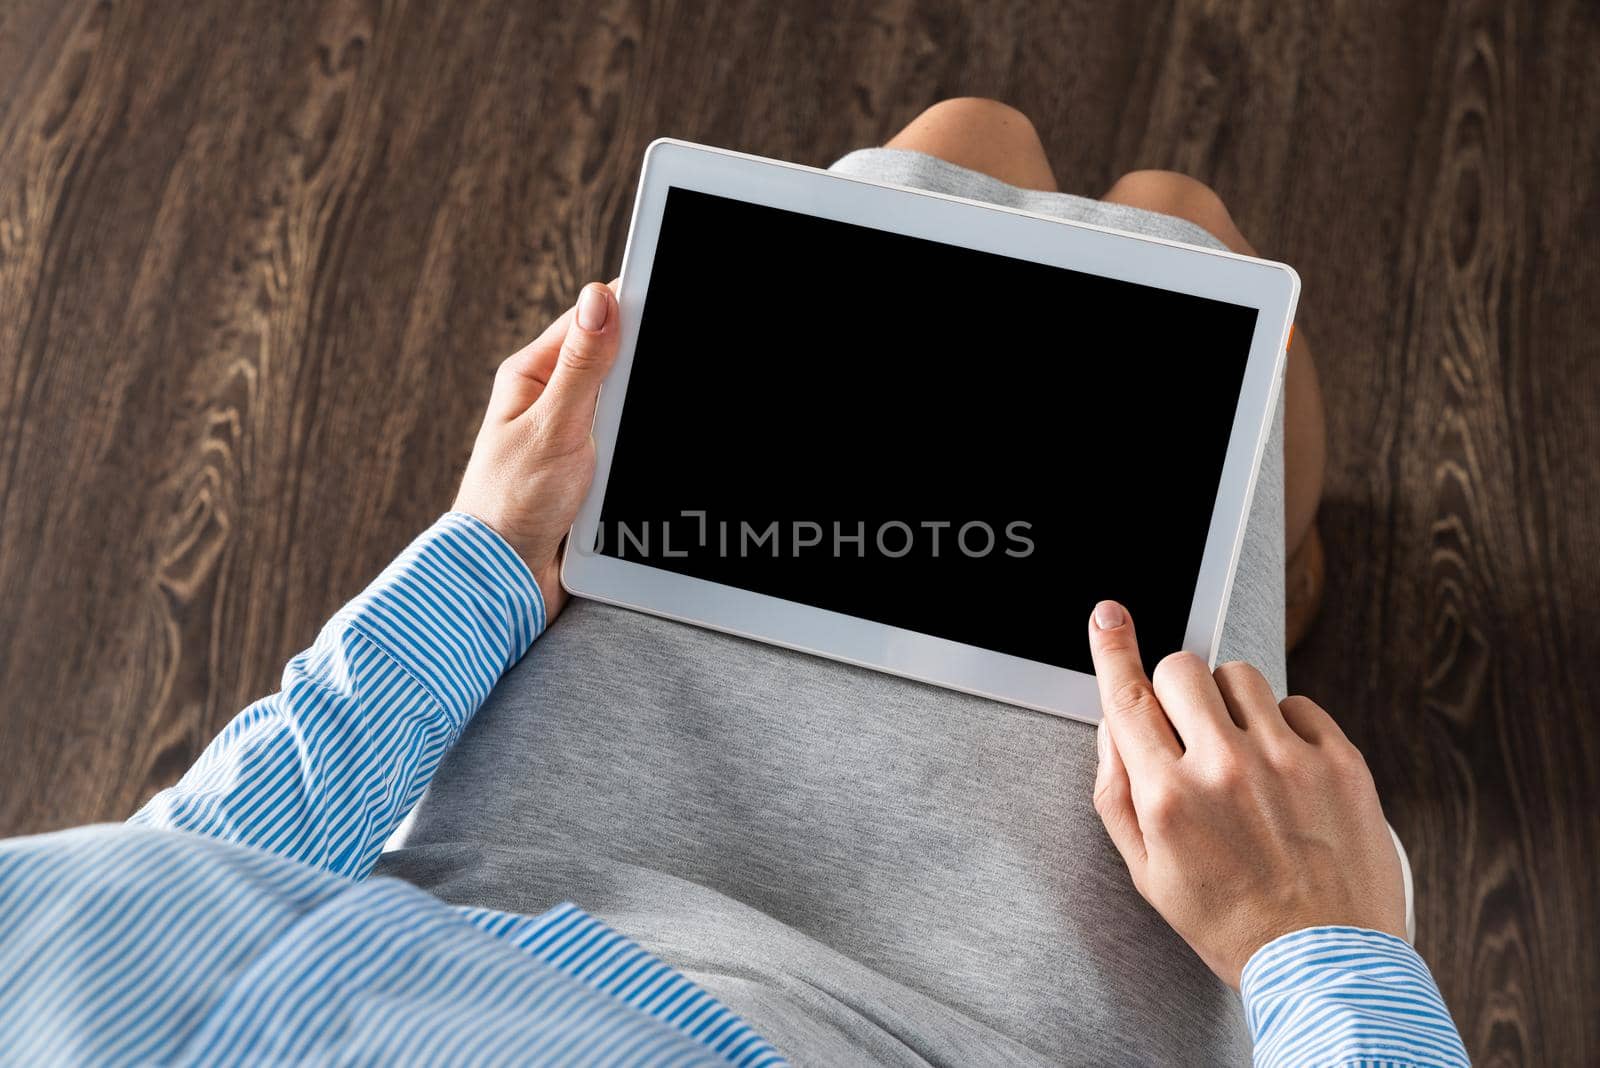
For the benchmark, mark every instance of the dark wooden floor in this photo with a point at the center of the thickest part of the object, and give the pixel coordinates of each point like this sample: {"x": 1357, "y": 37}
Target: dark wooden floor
{"x": 258, "y": 260}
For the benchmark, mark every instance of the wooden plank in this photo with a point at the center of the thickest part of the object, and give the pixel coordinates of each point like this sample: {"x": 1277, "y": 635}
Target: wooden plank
{"x": 259, "y": 259}
{"x": 1448, "y": 632}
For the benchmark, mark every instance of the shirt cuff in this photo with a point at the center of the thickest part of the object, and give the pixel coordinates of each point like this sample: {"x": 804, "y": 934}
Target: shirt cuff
{"x": 1344, "y": 996}
{"x": 456, "y": 609}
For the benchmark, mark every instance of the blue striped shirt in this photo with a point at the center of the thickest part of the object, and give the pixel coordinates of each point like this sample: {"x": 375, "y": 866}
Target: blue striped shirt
{"x": 233, "y": 920}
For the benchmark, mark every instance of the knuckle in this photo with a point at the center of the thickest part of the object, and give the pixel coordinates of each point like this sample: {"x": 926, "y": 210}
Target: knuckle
{"x": 1178, "y": 664}
{"x": 1300, "y": 710}
{"x": 1163, "y": 806}
{"x": 578, "y": 354}
{"x": 1165, "y": 669}
{"x": 1161, "y": 816}
{"x": 1132, "y": 695}
{"x": 1108, "y": 797}
{"x": 1235, "y": 671}
{"x": 1282, "y": 759}
{"x": 1227, "y": 773}
{"x": 1349, "y": 764}
{"x": 1228, "y": 769}
{"x": 537, "y": 420}
{"x": 1304, "y": 703}
{"x": 1293, "y": 708}
{"x": 506, "y": 371}
{"x": 1176, "y": 667}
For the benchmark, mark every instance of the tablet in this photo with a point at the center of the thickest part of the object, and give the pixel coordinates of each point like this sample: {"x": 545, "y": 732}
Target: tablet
{"x": 922, "y": 434}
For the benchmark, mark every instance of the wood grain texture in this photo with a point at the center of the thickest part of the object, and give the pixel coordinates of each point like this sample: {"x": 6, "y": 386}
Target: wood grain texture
{"x": 258, "y": 260}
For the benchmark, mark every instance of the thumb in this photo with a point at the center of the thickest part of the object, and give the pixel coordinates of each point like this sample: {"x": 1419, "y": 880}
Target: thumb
{"x": 587, "y": 352}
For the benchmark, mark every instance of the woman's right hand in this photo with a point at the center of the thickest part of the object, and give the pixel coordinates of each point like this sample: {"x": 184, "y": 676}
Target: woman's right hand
{"x": 1241, "y": 819}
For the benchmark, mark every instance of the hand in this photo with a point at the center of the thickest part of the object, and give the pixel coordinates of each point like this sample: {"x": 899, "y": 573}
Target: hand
{"x": 534, "y": 457}
{"x": 1240, "y": 819}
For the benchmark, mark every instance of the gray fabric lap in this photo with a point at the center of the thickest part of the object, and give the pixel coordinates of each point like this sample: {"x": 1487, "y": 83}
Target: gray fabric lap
{"x": 866, "y": 868}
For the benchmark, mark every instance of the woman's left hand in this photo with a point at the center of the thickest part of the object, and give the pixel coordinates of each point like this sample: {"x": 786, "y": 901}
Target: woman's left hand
{"x": 534, "y": 457}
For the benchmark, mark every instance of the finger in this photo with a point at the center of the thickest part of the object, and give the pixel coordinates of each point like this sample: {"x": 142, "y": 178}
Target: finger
{"x": 1113, "y": 800}
{"x": 548, "y": 354}
{"x": 1307, "y": 719}
{"x": 522, "y": 376}
{"x": 542, "y": 354}
{"x": 586, "y": 354}
{"x": 1189, "y": 695}
{"x": 1249, "y": 698}
{"x": 1127, "y": 702}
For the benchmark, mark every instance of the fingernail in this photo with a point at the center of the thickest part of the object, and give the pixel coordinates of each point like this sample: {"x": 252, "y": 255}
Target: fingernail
{"x": 1100, "y": 740}
{"x": 593, "y": 309}
{"x": 1108, "y": 615}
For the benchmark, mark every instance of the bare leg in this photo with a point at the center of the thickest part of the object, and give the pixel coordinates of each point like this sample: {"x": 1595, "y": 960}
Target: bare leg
{"x": 988, "y": 136}
{"x": 1305, "y": 449}
{"x": 981, "y": 135}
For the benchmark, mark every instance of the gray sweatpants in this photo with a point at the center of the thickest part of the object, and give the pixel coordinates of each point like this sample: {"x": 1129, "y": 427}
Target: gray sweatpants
{"x": 867, "y": 869}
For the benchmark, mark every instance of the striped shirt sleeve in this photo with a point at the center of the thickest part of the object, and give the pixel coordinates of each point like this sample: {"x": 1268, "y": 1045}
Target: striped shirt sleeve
{"x": 323, "y": 770}
{"x": 1345, "y": 996}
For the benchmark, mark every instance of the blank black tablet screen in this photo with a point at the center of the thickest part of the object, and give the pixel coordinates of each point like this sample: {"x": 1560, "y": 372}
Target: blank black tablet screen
{"x": 954, "y": 442}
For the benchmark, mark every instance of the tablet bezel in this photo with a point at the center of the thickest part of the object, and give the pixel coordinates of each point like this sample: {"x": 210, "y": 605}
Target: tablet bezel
{"x": 1271, "y": 288}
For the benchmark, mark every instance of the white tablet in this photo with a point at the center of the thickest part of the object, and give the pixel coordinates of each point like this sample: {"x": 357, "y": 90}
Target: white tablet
{"x": 922, "y": 434}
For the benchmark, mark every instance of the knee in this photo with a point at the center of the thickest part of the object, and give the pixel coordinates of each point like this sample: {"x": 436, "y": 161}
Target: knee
{"x": 980, "y": 115}
{"x": 982, "y": 135}
{"x": 1172, "y": 193}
